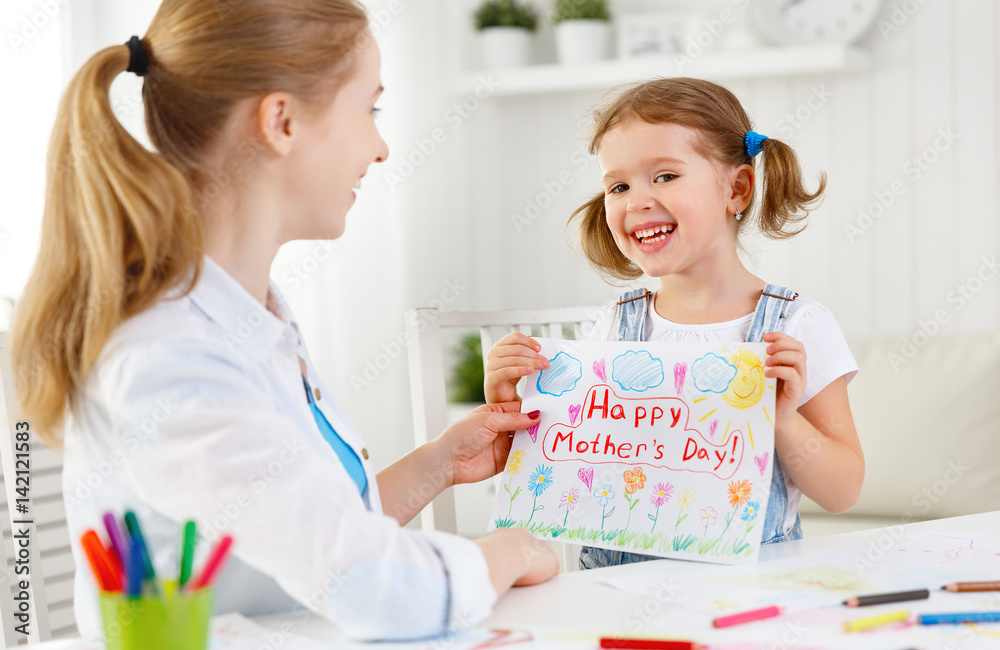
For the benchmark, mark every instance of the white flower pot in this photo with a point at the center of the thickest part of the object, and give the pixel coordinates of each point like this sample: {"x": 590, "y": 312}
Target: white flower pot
{"x": 506, "y": 47}
{"x": 583, "y": 41}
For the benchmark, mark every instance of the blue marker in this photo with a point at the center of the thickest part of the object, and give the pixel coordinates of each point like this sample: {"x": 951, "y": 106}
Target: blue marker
{"x": 135, "y": 535}
{"x": 134, "y": 571}
{"x": 966, "y": 617}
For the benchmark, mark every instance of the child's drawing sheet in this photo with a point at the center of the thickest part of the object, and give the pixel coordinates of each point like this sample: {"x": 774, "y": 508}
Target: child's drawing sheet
{"x": 663, "y": 449}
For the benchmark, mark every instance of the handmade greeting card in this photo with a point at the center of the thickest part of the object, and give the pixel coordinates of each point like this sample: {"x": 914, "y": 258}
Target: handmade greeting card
{"x": 656, "y": 448}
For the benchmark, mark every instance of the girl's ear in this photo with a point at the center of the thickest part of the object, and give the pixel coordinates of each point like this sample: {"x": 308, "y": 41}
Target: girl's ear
{"x": 274, "y": 122}
{"x": 742, "y": 187}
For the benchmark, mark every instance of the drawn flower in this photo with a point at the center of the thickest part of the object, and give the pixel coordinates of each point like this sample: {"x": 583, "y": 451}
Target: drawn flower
{"x": 635, "y": 480}
{"x": 750, "y": 511}
{"x": 708, "y": 516}
{"x": 686, "y": 498}
{"x": 569, "y": 498}
{"x": 738, "y": 493}
{"x": 540, "y": 480}
{"x": 515, "y": 462}
{"x": 661, "y": 494}
{"x": 604, "y": 494}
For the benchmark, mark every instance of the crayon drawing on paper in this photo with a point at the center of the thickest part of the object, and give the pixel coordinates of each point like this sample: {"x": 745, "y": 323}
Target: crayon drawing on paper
{"x": 657, "y": 448}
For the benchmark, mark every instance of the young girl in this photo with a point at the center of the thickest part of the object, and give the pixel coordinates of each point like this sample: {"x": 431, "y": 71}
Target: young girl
{"x": 150, "y": 337}
{"x": 678, "y": 159}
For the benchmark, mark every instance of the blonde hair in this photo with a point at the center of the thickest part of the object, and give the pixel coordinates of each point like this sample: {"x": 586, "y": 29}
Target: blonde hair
{"x": 720, "y": 122}
{"x": 121, "y": 224}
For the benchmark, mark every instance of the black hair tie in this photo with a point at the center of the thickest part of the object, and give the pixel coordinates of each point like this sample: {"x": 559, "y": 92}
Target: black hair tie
{"x": 138, "y": 60}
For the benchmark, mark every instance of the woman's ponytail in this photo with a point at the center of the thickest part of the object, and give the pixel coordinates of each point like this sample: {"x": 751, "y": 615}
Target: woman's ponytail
{"x": 119, "y": 228}
{"x": 785, "y": 202}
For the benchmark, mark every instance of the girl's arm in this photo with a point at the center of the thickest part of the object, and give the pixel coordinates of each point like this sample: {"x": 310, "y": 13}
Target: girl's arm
{"x": 817, "y": 442}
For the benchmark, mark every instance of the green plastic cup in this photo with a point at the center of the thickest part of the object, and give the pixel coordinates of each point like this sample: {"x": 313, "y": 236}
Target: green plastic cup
{"x": 176, "y": 620}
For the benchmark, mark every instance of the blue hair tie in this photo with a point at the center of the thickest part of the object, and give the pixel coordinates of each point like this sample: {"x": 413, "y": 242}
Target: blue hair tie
{"x": 752, "y": 141}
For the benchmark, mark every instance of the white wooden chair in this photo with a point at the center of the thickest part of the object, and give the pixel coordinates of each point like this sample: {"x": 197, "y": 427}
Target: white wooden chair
{"x": 50, "y": 555}
{"x": 424, "y": 329}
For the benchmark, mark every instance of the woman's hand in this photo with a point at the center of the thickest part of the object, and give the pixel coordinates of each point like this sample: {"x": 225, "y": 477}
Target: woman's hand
{"x": 511, "y": 358}
{"x": 515, "y": 558}
{"x": 787, "y": 362}
{"x": 476, "y": 447}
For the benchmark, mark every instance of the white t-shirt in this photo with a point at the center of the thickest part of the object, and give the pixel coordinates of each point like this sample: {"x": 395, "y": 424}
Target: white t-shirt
{"x": 827, "y": 355}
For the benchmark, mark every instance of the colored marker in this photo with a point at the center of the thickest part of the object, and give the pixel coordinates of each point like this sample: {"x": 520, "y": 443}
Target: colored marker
{"x": 119, "y": 547}
{"x": 136, "y": 571}
{"x": 895, "y": 597}
{"x": 187, "y": 553}
{"x": 746, "y": 617}
{"x": 136, "y": 538}
{"x": 968, "y": 617}
{"x": 100, "y": 562}
{"x": 860, "y": 624}
{"x": 993, "y": 585}
{"x": 648, "y": 644}
{"x": 214, "y": 563}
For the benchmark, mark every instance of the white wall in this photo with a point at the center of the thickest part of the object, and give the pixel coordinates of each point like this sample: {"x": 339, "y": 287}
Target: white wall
{"x": 936, "y": 73}
{"x": 449, "y": 223}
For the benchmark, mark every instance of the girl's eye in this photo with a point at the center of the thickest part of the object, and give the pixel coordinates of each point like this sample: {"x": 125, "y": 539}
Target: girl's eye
{"x": 618, "y": 189}
{"x": 376, "y": 110}
{"x": 667, "y": 176}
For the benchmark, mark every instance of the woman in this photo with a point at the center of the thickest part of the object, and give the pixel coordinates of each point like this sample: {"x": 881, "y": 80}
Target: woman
{"x": 150, "y": 336}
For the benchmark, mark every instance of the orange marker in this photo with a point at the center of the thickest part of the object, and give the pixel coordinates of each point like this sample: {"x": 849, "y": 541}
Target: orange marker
{"x": 107, "y": 576}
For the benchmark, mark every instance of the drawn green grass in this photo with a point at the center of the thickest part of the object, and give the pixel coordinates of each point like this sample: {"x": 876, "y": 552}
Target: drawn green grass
{"x": 636, "y": 541}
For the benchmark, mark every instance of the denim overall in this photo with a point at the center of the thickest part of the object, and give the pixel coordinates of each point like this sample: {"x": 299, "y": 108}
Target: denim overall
{"x": 770, "y": 310}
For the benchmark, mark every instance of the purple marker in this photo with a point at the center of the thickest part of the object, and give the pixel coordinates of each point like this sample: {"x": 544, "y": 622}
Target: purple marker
{"x": 118, "y": 545}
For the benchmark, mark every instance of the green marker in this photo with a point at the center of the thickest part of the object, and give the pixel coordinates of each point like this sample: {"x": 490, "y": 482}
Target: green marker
{"x": 187, "y": 553}
{"x": 135, "y": 533}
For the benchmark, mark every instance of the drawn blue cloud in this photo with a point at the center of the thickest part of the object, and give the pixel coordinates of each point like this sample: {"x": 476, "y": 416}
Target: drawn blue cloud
{"x": 562, "y": 375}
{"x": 712, "y": 373}
{"x": 637, "y": 370}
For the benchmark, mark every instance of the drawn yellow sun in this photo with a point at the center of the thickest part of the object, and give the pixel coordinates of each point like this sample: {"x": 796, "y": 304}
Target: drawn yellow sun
{"x": 747, "y": 387}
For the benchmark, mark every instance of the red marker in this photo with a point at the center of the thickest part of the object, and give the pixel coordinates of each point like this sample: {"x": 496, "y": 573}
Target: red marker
{"x": 108, "y": 577}
{"x": 746, "y": 617}
{"x": 214, "y": 563}
{"x": 648, "y": 644}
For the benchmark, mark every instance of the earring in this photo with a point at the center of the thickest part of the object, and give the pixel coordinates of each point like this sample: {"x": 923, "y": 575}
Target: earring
{"x": 739, "y": 215}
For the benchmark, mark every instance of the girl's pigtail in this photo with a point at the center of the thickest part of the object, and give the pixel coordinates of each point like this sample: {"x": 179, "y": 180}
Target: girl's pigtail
{"x": 599, "y": 245}
{"x": 785, "y": 199}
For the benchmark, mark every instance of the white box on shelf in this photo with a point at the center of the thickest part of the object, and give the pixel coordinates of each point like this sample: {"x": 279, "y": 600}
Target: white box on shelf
{"x": 652, "y": 33}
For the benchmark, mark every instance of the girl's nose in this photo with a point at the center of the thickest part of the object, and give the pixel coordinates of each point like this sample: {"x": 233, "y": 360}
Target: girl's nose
{"x": 639, "y": 200}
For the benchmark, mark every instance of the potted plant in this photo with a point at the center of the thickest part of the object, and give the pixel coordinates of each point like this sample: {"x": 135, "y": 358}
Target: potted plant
{"x": 583, "y": 30}
{"x": 506, "y": 28}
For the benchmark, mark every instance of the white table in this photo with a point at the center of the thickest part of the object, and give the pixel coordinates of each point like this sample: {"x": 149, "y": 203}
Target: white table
{"x": 577, "y": 596}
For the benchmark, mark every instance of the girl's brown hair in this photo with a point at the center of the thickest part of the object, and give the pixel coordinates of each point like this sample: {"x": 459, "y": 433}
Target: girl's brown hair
{"x": 721, "y": 124}
{"x": 122, "y": 224}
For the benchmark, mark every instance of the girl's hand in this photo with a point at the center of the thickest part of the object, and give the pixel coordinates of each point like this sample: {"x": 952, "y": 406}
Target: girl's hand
{"x": 511, "y": 358}
{"x": 786, "y": 362}
{"x": 476, "y": 447}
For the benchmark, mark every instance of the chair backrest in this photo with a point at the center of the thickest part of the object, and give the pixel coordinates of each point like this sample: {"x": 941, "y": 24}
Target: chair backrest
{"x": 33, "y": 484}
{"x": 427, "y": 373}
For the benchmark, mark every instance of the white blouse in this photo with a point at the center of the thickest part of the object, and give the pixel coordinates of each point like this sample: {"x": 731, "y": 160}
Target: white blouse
{"x": 196, "y": 410}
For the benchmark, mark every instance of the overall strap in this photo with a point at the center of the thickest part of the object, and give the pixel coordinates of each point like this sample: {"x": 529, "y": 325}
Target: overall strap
{"x": 771, "y": 308}
{"x": 632, "y": 308}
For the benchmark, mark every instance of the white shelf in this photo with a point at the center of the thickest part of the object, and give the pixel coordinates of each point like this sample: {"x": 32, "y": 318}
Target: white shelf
{"x": 725, "y": 65}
